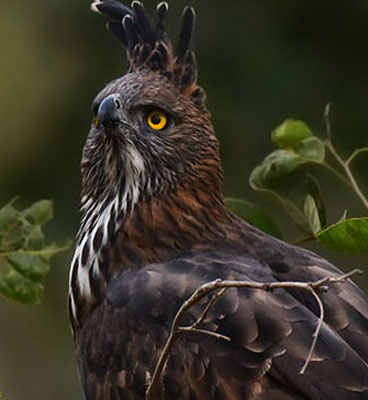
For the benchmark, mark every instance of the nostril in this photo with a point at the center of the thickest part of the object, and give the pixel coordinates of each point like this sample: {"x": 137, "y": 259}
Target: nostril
{"x": 117, "y": 103}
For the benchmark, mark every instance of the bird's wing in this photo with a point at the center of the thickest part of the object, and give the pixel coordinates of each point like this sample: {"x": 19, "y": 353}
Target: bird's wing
{"x": 271, "y": 334}
{"x": 345, "y": 305}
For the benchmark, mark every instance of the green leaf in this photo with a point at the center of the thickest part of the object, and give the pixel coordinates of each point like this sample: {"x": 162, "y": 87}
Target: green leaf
{"x": 280, "y": 163}
{"x": 13, "y": 237}
{"x": 281, "y": 174}
{"x": 35, "y": 238}
{"x": 40, "y": 212}
{"x": 290, "y": 133}
{"x": 311, "y": 150}
{"x": 350, "y": 235}
{"x": 8, "y": 215}
{"x": 291, "y": 190}
{"x": 312, "y": 213}
{"x": 273, "y": 168}
{"x": 253, "y": 215}
{"x": 24, "y": 257}
{"x": 16, "y": 287}
{"x": 29, "y": 265}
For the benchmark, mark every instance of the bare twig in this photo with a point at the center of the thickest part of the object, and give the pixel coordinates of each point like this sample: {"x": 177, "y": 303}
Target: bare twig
{"x": 333, "y": 171}
{"x": 155, "y": 387}
{"x": 303, "y": 240}
{"x": 345, "y": 164}
{"x": 316, "y": 332}
{"x": 204, "y": 332}
{"x": 349, "y": 174}
{"x": 340, "y": 279}
{"x": 209, "y": 306}
{"x": 327, "y": 121}
{"x": 355, "y": 154}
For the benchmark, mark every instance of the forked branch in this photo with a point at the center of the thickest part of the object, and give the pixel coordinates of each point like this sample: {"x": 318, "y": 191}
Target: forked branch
{"x": 219, "y": 286}
{"x": 345, "y": 164}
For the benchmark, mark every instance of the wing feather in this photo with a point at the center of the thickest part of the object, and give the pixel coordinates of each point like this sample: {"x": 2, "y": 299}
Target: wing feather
{"x": 270, "y": 333}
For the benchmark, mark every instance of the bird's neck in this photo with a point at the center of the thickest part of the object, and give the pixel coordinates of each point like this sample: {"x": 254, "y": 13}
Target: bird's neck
{"x": 156, "y": 229}
{"x": 162, "y": 227}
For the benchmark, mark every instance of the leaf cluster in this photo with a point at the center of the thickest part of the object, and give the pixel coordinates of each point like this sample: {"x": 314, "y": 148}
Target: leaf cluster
{"x": 24, "y": 256}
{"x": 285, "y": 174}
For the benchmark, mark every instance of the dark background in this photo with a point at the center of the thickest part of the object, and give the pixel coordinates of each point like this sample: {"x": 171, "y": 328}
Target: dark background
{"x": 260, "y": 62}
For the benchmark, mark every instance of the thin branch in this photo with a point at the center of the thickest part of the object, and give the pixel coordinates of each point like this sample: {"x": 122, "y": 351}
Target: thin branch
{"x": 327, "y": 121}
{"x": 204, "y": 332}
{"x": 209, "y": 306}
{"x": 355, "y": 154}
{"x": 316, "y": 332}
{"x": 349, "y": 174}
{"x": 303, "y": 240}
{"x": 333, "y": 171}
{"x": 344, "y": 164}
{"x": 345, "y": 277}
{"x": 155, "y": 387}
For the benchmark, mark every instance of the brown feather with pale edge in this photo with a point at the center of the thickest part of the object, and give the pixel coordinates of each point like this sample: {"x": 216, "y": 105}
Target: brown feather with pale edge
{"x": 154, "y": 228}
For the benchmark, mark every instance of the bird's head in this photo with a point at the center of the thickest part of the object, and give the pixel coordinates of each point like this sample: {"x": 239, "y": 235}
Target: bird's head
{"x": 151, "y": 132}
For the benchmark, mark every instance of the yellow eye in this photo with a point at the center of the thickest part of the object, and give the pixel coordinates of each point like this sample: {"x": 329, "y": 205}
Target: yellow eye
{"x": 157, "y": 120}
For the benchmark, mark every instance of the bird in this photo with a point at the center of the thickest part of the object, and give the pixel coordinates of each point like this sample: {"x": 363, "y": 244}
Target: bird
{"x": 154, "y": 228}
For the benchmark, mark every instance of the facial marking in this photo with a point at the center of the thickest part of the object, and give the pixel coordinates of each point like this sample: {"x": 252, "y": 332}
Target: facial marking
{"x": 100, "y": 218}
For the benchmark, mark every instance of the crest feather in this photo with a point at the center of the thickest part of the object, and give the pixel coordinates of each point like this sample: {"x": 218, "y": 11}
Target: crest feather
{"x": 147, "y": 45}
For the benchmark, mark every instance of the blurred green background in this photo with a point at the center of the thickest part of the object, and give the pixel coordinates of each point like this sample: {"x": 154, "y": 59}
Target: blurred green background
{"x": 260, "y": 62}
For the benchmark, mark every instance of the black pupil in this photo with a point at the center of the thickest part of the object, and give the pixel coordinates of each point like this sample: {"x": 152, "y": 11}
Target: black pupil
{"x": 156, "y": 119}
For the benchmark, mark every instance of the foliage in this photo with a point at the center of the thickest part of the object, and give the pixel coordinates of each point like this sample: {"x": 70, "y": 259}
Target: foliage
{"x": 285, "y": 174}
{"x": 254, "y": 215}
{"x": 24, "y": 256}
{"x": 350, "y": 235}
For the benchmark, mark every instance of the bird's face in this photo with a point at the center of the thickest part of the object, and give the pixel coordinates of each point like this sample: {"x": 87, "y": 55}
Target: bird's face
{"x": 147, "y": 138}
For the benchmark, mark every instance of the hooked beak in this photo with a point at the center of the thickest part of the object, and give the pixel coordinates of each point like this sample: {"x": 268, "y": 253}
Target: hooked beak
{"x": 107, "y": 115}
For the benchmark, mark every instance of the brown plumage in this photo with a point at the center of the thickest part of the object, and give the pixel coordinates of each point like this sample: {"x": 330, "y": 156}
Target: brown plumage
{"x": 154, "y": 227}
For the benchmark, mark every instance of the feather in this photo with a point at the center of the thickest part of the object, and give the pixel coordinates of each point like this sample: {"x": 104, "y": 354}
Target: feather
{"x": 118, "y": 30}
{"x": 164, "y": 53}
{"x": 143, "y": 24}
{"x": 270, "y": 336}
{"x": 145, "y": 52}
{"x": 189, "y": 75}
{"x": 186, "y": 34}
{"x": 112, "y": 9}
{"x": 136, "y": 32}
{"x": 154, "y": 61}
{"x": 131, "y": 32}
{"x": 162, "y": 9}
